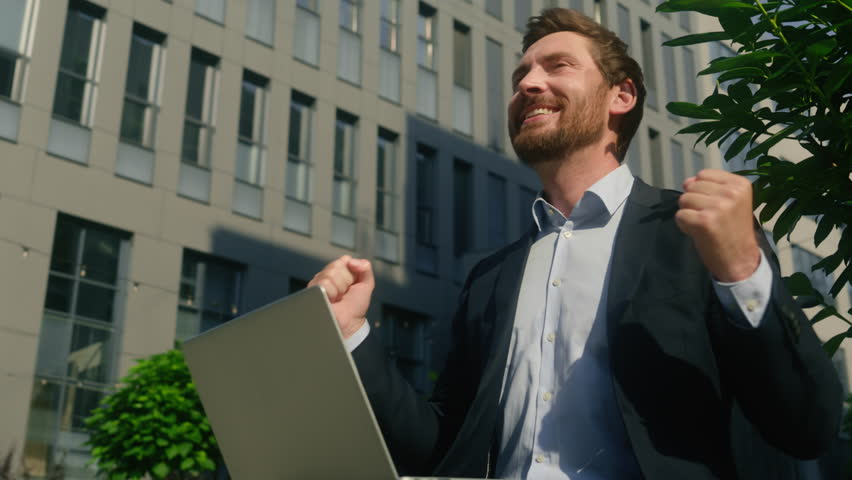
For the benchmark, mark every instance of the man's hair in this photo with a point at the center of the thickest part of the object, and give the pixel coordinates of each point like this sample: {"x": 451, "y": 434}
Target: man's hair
{"x": 609, "y": 53}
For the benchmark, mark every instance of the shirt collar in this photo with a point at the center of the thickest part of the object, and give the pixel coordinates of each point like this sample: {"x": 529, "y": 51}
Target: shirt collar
{"x": 601, "y": 200}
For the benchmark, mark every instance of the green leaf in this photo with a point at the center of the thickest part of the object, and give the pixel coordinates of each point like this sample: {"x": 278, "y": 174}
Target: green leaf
{"x": 701, "y": 127}
{"x": 838, "y": 75}
{"x": 771, "y": 141}
{"x": 787, "y": 221}
{"x": 744, "y": 72}
{"x": 697, "y": 38}
{"x": 833, "y": 344}
{"x": 826, "y": 312}
{"x": 187, "y": 464}
{"x": 184, "y": 449}
{"x": 737, "y": 146}
{"x": 799, "y": 284}
{"x": 206, "y": 464}
{"x": 690, "y": 110}
{"x": 820, "y": 49}
{"x": 707, "y": 7}
{"x": 824, "y": 227}
{"x": 160, "y": 470}
{"x": 748, "y": 60}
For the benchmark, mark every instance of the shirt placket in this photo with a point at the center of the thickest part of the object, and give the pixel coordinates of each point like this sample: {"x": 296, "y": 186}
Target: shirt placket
{"x": 550, "y": 341}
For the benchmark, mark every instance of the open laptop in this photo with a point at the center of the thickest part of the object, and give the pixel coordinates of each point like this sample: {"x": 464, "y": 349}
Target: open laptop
{"x": 284, "y": 398}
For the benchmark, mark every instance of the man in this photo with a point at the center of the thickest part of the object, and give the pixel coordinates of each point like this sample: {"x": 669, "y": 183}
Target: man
{"x": 633, "y": 332}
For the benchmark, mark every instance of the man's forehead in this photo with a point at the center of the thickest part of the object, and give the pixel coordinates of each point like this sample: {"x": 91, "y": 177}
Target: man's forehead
{"x": 568, "y": 43}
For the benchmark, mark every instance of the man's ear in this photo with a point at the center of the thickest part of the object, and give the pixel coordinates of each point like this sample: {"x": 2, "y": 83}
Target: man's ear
{"x": 624, "y": 99}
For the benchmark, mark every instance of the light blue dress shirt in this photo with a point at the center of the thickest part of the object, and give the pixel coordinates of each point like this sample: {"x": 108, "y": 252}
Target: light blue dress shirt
{"x": 560, "y": 418}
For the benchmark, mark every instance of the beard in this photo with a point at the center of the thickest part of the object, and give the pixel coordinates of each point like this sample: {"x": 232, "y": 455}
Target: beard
{"x": 579, "y": 125}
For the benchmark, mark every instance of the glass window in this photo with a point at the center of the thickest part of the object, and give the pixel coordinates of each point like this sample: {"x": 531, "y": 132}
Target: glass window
{"x": 497, "y": 207}
{"x": 251, "y": 144}
{"x": 690, "y": 78}
{"x": 426, "y": 36}
{"x": 389, "y": 62}
{"x": 260, "y": 21}
{"x": 81, "y": 50}
{"x": 462, "y": 79}
{"x": 496, "y": 96}
{"x": 678, "y": 164}
{"x": 307, "y": 32}
{"x": 297, "y": 192}
{"x": 349, "y": 43}
{"x": 350, "y": 15}
{"x": 494, "y": 8}
{"x": 15, "y": 25}
{"x": 648, "y": 68}
{"x": 523, "y": 10}
{"x": 389, "y": 27}
{"x": 427, "y": 81}
{"x": 426, "y": 209}
{"x": 462, "y": 207}
{"x": 657, "y": 175}
{"x": 387, "y": 196}
{"x": 198, "y": 123}
{"x": 623, "y": 15}
{"x": 697, "y": 162}
{"x": 211, "y": 9}
{"x": 386, "y": 185}
{"x": 345, "y": 155}
{"x": 462, "y": 70}
{"x": 671, "y": 74}
{"x": 141, "y": 90}
{"x": 77, "y": 353}
{"x": 210, "y": 293}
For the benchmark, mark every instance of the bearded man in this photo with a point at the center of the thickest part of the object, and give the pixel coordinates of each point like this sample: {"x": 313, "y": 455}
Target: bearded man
{"x": 631, "y": 333}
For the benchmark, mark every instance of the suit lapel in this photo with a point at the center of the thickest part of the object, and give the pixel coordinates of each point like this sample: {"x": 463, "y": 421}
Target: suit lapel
{"x": 636, "y": 233}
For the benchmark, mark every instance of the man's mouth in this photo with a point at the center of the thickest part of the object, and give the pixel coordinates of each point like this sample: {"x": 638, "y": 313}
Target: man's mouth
{"x": 537, "y": 112}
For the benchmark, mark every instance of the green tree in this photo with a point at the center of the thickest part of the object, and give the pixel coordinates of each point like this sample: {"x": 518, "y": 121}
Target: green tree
{"x": 790, "y": 79}
{"x": 153, "y": 425}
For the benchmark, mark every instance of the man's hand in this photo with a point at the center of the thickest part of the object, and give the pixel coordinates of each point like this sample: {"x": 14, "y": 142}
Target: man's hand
{"x": 348, "y": 283}
{"x": 716, "y": 211}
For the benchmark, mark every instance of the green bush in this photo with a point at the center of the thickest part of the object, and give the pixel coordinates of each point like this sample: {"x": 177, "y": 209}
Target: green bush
{"x": 153, "y": 425}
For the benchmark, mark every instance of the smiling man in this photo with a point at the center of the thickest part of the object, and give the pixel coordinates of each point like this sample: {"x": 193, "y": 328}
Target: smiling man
{"x": 631, "y": 333}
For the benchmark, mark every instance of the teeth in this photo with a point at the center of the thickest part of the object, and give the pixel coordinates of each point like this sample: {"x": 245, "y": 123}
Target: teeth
{"x": 539, "y": 111}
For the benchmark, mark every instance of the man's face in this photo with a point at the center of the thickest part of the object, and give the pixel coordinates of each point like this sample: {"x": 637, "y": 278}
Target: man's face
{"x": 559, "y": 100}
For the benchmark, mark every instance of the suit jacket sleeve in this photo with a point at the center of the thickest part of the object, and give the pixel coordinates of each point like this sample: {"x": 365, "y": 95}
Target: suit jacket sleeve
{"x": 418, "y": 432}
{"x": 780, "y": 374}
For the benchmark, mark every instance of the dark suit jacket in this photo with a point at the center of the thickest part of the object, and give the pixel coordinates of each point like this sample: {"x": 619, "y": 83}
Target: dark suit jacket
{"x": 699, "y": 396}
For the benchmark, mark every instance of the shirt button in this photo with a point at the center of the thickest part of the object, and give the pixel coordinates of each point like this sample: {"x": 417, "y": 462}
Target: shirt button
{"x": 547, "y": 396}
{"x": 751, "y": 305}
{"x": 551, "y": 337}
{"x": 557, "y": 282}
{"x": 567, "y": 234}
{"x": 539, "y": 458}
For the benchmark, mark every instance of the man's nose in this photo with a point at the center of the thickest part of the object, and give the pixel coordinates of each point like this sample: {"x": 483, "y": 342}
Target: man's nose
{"x": 532, "y": 82}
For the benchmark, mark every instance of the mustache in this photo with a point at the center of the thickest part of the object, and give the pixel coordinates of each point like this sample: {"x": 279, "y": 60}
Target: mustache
{"x": 538, "y": 100}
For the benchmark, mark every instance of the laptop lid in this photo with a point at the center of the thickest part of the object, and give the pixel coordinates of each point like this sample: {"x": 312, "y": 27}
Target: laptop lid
{"x": 283, "y": 395}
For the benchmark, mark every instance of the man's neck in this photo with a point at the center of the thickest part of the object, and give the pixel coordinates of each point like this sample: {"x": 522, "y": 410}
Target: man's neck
{"x": 566, "y": 180}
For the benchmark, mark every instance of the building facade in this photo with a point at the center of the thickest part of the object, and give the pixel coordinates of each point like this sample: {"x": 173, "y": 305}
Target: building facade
{"x": 168, "y": 165}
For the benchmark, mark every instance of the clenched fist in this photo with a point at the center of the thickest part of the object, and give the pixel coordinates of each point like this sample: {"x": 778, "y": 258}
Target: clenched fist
{"x": 716, "y": 212}
{"x": 348, "y": 283}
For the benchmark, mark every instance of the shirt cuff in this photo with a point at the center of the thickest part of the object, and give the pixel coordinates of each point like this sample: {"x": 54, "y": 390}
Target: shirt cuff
{"x": 746, "y": 301}
{"x": 352, "y": 342}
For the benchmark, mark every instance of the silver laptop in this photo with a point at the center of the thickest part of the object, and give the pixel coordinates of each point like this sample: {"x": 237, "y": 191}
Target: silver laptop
{"x": 284, "y": 398}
